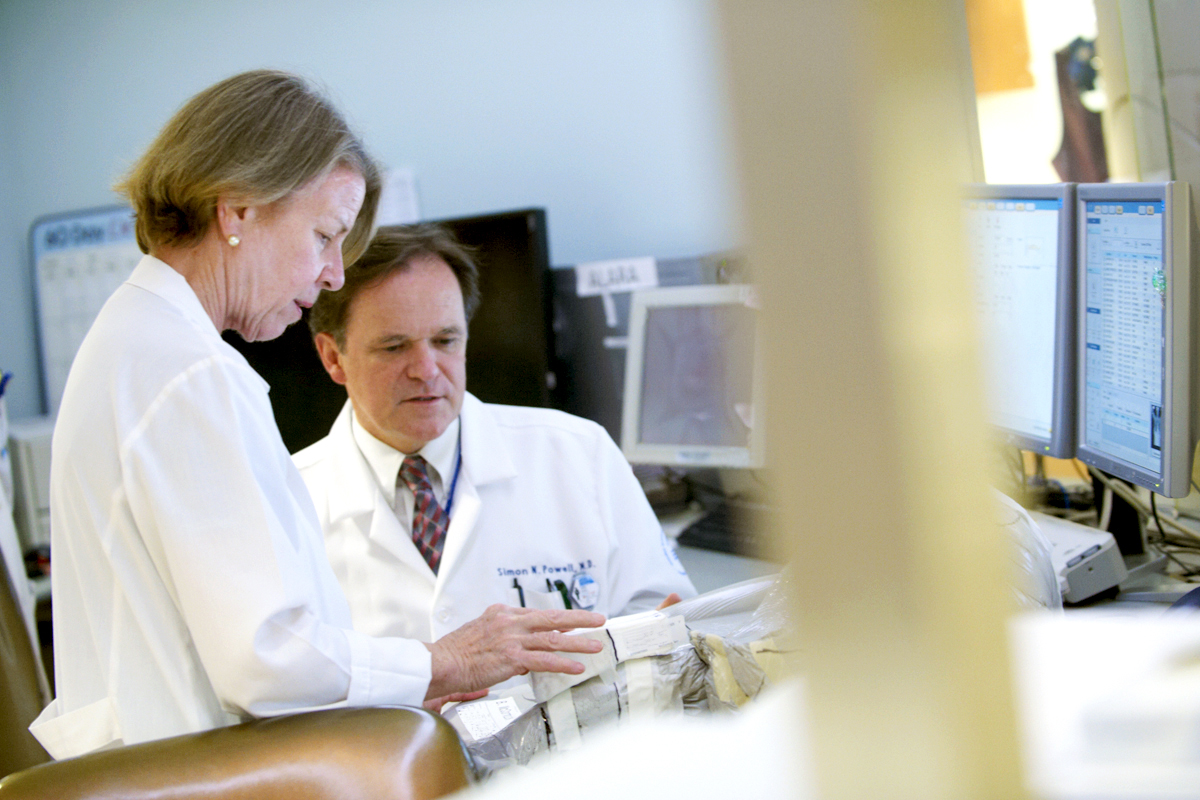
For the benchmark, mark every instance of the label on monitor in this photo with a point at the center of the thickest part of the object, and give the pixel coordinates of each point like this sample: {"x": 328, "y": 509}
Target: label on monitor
{"x": 619, "y": 275}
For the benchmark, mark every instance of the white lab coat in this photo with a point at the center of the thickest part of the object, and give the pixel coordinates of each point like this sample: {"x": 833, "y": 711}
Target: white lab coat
{"x": 189, "y": 579}
{"x": 542, "y": 495}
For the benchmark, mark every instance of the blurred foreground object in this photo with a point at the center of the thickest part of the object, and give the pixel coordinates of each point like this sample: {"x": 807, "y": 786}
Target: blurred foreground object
{"x": 760, "y": 753}
{"x": 1110, "y": 703}
{"x": 339, "y": 754}
{"x": 855, "y": 129}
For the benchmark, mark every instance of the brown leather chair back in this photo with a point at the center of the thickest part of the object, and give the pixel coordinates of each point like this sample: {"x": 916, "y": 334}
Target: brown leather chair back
{"x": 347, "y": 754}
{"x": 20, "y": 684}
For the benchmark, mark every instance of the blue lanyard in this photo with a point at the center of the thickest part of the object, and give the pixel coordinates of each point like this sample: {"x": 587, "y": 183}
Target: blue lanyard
{"x": 457, "y": 469}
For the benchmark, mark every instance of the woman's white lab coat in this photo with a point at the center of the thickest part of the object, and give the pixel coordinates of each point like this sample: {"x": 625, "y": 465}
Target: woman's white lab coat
{"x": 190, "y": 586}
{"x": 542, "y": 496}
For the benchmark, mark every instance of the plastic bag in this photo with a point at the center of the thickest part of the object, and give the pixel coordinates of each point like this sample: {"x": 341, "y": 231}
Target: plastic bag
{"x": 1034, "y": 581}
{"x": 731, "y": 655}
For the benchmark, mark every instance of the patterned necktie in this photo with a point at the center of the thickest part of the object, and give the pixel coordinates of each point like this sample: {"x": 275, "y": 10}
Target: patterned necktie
{"x": 429, "y": 521}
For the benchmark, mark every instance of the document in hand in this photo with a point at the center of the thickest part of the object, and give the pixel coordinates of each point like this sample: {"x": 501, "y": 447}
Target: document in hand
{"x": 650, "y": 633}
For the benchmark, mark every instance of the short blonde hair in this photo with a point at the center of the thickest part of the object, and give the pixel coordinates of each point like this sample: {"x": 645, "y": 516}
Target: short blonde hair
{"x": 255, "y": 137}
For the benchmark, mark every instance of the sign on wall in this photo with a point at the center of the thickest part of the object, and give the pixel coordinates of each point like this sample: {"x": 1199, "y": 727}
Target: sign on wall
{"x": 79, "y": 259}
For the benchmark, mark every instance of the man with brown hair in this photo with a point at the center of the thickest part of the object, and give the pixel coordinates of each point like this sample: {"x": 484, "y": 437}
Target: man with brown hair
{"x": 436, "y": 506}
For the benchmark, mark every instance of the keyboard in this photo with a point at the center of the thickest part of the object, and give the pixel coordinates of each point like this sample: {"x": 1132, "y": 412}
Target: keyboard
{"x": 731, "y": 527}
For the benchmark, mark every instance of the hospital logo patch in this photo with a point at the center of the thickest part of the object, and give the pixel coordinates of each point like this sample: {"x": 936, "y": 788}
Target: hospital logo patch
{"x": 585, "y": 592}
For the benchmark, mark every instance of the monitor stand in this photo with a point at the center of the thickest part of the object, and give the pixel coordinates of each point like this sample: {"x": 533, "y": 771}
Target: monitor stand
{"x": 1123, "y": 522}
{"x": 1147, "y": 580}
{"x": 1149, "y": 583}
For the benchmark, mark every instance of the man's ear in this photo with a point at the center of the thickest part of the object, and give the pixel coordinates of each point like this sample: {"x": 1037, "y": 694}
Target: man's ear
{"x": 331, "y": 357}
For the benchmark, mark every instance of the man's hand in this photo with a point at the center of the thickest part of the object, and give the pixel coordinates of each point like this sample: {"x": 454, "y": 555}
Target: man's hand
{"x": 507, "y": 641}
{"x": 670, "y": 600}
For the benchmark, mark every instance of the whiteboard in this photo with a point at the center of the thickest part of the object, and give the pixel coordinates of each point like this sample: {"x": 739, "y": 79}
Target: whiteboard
{"x": 79, "y": 259}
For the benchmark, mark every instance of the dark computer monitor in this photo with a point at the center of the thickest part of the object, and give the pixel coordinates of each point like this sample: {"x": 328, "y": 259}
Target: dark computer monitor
{"x": 1137, "y": 333}
{"x": 1020, "y": 241}
{"x": 509, "y": 341}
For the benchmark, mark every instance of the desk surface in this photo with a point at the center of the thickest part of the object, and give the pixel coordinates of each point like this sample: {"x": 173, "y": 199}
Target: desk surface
{"x": 711, "y": 570}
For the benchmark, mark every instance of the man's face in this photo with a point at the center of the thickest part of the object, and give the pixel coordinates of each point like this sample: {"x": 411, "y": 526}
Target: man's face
{"x": 404, "y": 363}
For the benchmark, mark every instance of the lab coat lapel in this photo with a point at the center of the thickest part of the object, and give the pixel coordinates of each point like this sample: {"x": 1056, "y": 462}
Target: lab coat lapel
{"x": 462, "y": 527}
{"x": 387, "y": 532}
{"x": 358, "y": 498}
{"x": 486, "y": 459}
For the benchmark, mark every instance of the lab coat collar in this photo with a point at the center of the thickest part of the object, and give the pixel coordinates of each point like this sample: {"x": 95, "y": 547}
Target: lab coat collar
{"x": 486, "y": 457}
{"x": 160, "y": 279}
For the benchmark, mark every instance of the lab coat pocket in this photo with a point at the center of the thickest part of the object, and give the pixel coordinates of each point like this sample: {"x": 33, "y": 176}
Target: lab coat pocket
{"x": 550, "y": 601}
{"x": 92, "y": 727}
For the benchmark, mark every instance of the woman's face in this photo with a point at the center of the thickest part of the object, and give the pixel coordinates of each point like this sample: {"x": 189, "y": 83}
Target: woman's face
{"x": 288, "y": 252}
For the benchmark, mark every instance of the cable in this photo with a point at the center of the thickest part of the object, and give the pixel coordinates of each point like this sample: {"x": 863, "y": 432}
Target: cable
{"x": 1106, "y": 503}
{"x": 1170, "y": 545}
{"x": 1154, "y": 510}
{"x": 1129, "y": 496}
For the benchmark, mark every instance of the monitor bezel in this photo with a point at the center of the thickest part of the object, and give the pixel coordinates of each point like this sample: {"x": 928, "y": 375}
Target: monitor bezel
{"x": 1179, "y": 416}
{"x": 1062, "y": 440}
{"x": 754, "y": 455}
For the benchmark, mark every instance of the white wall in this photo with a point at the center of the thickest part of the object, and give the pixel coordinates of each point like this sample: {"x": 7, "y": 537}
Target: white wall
{"x": 608, "y": 114}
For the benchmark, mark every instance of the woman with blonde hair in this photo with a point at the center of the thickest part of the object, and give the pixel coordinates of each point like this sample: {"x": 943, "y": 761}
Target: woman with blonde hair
{"x": 190, "y": 584}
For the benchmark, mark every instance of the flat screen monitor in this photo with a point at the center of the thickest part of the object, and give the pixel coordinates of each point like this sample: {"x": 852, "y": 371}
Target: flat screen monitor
{"x": 693, "y": 378}
{"x": 508, "y": 345}
{"x": 591, "y": 334}
{"x": 1020, "y": 241}
{"x": 1137, "y": 327}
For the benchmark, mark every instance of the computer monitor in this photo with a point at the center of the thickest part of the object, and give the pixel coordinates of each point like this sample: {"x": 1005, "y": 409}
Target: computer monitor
{"x": 591, "y": 334}
{"x": 1137, "y": 329}
{"x": 1020, "y": 242}
{"x": 509, "y": 339}
{"x": 693, "y": 378}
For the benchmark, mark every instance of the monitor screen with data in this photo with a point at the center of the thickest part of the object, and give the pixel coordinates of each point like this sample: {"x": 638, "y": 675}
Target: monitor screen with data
{"x": 1137, "y": 331}
{"x": 693, "y": 386}
{"x": 1020, "y": 241}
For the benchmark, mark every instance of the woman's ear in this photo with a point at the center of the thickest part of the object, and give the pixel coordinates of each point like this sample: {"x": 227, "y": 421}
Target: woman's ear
{"x": 231, "y": 218}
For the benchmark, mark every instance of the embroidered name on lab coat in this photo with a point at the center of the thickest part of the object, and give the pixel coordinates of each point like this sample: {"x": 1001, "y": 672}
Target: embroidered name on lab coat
{"x": 544, "y": 569}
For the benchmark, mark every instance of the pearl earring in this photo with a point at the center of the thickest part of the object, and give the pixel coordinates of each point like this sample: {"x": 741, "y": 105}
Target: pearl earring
{"x": 234, "y": 241}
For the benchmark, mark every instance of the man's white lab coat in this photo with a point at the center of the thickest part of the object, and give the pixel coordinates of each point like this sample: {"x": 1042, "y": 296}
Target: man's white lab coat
{"x": 542, "y": 496}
